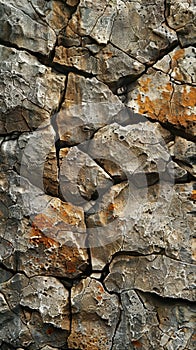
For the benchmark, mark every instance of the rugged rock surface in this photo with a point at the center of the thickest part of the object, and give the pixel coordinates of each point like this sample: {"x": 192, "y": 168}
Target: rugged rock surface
{"x": 97, "y": 175}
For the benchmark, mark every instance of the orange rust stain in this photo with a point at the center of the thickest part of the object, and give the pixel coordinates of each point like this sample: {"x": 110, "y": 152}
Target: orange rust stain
{"x": 49, "y": 331}
{"x": 188, "y": 97}
{"x": 99, "y": 297}
{"x": 177, "y": 55}
{"x": 136, "y": 343}
{"x": 144, "y": 84}
{"x": 165, "y": 109}
{"x": 193, "y": 336}
{"x": 101, "y": 289}
{"x": 193, "y": 195}
{"x": 43, "y": 221}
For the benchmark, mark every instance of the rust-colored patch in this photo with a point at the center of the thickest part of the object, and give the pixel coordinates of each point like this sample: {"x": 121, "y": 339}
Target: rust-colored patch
{"x": 177, "y": 55}
{"x": 137, "y": 343}
{"x": 49, "y": 331}
{"x": 144, "y": 84}
{"x": 188, "y": 96}
{"x": 193, "y": 195}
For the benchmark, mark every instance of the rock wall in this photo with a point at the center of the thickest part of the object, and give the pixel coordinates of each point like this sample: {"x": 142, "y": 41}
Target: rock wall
{"x": 97, "y": 127}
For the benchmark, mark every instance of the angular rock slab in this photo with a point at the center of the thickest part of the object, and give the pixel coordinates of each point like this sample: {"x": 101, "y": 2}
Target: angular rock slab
{"x": 138, "y": 150}
{"x": 101, "y": 21}
{"x": 95, "y": 314}
{"x": 33, "y": 155}
{"x": 89, "y": 105}
{"x": 46, "y": 236}
{"x": 154, "y": 273}
{"x": 30, "y": 91}
{"x": 160, "y": 218}
{"x": 32, "y": 25}
{"x": 180, "y": 16}
{"x": 158, "y": 97}
{"x": 30, "y": 304}
{"x": 151, "y": 322}
{"x": 110, "y": 65}
{"x": 81, "y": 178}
{"x": 185, "y": 152}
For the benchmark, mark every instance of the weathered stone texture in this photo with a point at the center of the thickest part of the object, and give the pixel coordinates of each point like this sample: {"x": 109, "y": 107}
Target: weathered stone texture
{"x": 160, "y": 96}
{"x": 28, "y": 96}
{"x": 97, "y": 175}
{"x": 95, "y": 316}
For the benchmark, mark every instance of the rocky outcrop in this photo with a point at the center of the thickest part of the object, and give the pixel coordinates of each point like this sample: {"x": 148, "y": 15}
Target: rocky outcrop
{"x": 97, "y": 175}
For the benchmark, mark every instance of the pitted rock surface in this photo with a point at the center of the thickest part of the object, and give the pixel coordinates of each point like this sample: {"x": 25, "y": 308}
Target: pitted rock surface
{"x": 97, "y": 175}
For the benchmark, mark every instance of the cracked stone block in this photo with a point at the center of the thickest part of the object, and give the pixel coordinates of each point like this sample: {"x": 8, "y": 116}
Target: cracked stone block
{"x": 30, "y": 91}
{"x": 149, "y": 322}
{"x": 184, "y": 151}
{"x": 32, "y": 25}
{"x": 48, "y": 296}
{"x": 23, "y": 327}
{"x": 45, "y": 236}
{"x": 145, "y": 221}
{"x": 180, "y": 16}
{"x": 158, "y": 97}
{"x": 88, "y": 105}
{"x": 152, "y": 273}
{"x": 180, "y": 65}
{"x": 137, "y": 149}
{"x": 81, "y": 178}
{"x": 101, "y": 21}
{"x": 95, "y": 314}
{"x": 33, "y": 155}
{"x": 35, "y": 293}
{"x": 103, "y": 64}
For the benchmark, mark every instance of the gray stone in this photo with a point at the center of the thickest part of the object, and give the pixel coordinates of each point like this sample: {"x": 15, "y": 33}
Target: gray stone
{"x": 180, "y": 16}
{"x": 89, "y": 105}
{"x": 30, "y": 91}
{"x": 81, "y": 178}
{"x": 32, "y": 25}
{"x": 153, "y": 273}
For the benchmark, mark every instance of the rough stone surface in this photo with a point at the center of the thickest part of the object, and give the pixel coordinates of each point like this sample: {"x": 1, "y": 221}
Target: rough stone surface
{"x": 153, "y": 273}
{"x": 97, "y": 175}
{"x": 28, "y": 96}
{"x": 162, "y": 96}
{"x": 95, "y": 316}
{"x": 89, "y": 105}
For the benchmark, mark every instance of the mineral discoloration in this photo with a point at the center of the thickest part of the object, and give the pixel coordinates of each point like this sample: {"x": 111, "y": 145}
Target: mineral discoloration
{"x": 97, "y": 175}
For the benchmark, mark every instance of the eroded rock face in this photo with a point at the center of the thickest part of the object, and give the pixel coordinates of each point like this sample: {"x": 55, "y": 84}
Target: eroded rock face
{"x": 95, "y": 316}
{"x": 97, "y": 175}
{"x": 160, "y": 94}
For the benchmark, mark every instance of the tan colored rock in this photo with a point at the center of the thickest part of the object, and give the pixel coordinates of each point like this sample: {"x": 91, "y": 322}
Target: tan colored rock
{"x": 158, "y": 98}
{"x": 103, "y": 64}
{"x": 32, "y": 25}
{"x": 45, "y": 234}
{"x": 95, "y": 316}
{"x": 158, "y": 274}
{"x": 89, "y": 105}
{"x": 76, "y": 57}
{"x": 136, "y": 150}
{"x": 81, "y": 178}
{"x": 180, "y": 16}
{"x": 101, "y": 21}
{"x": 30, "y": 92}
{"x": 143, "y": 221}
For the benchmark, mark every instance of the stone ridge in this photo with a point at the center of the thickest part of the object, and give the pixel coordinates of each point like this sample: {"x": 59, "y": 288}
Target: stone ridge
{"x": 97, "y": 175}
